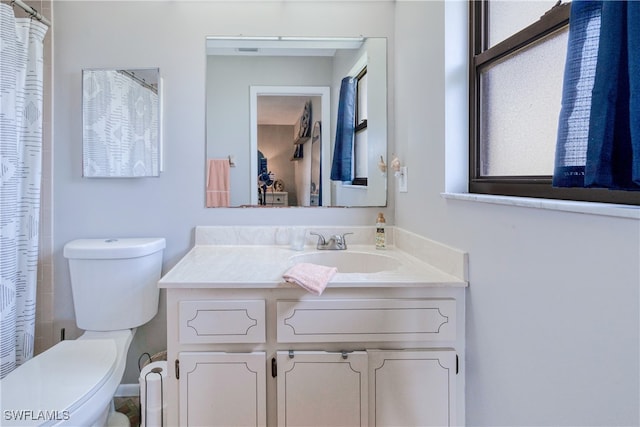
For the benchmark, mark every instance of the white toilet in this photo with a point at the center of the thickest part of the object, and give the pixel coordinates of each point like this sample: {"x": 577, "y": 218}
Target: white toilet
{"x": 114, "y": 285}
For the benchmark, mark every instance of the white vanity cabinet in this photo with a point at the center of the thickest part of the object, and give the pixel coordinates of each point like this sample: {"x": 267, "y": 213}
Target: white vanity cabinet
{"x": 282, "y": 357}
{"x": 377, "y": 348}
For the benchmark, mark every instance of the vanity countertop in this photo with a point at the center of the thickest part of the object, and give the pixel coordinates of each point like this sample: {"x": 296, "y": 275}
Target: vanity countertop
{"x": 262, "y": 266}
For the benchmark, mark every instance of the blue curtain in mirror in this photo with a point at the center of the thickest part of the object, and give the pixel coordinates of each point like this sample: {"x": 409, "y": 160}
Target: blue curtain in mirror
{"x": 342, "y": 165}
{"x": 599, "y": 127}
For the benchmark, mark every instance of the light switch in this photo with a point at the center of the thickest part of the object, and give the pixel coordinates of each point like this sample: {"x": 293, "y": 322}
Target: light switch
{"x": 402, "y": 180}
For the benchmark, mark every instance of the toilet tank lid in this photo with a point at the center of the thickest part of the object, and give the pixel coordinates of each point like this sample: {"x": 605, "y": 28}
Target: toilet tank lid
{"x": 113, "y": 248}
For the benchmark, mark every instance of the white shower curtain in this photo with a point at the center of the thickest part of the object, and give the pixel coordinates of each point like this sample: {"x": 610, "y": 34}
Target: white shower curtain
{"x": 21, "y": 75}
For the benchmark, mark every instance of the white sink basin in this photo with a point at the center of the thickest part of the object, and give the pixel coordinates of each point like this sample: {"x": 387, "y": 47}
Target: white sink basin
{"x": 349, "y": 262}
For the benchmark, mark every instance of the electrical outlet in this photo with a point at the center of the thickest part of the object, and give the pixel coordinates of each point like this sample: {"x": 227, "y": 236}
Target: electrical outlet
{"x": 402, "y": 180}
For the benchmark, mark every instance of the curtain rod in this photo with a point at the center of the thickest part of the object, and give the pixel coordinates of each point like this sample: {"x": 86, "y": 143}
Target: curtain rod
{"x": 31, "y": 11}
{"x": 140, "y": 81}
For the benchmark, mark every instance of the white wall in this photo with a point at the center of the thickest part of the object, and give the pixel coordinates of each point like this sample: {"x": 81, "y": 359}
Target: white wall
{"x": 552, "y": 315}
{"x": 169, "y": 35}
{"x": 276, "y": 143}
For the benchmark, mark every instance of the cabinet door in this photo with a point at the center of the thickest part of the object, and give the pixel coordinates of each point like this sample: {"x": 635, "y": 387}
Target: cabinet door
{"x": 412, "y": 387}
{"x": 222, "y": 389}
{"x": 317, "y": 388}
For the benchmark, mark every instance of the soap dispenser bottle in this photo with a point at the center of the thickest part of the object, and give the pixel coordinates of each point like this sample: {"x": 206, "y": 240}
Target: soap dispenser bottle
{"x": 380, "y": 236}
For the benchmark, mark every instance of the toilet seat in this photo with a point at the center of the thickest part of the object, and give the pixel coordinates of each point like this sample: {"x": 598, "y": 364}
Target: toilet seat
{"x": 50, "y": 387}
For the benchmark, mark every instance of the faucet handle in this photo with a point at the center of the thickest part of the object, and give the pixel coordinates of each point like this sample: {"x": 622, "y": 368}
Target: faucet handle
{"x": 341, "y": 240}
{"x": 345, "y": 234}
{"x": 321, "y": 240}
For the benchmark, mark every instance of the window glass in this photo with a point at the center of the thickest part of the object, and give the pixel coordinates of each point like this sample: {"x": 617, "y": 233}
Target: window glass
{"x": 360, "y": 148}
{"x": 362, "y": 99}
{"x": 507, "y": 17}
{"x": 360, "y": 151}
{"x": 519, "y": 110}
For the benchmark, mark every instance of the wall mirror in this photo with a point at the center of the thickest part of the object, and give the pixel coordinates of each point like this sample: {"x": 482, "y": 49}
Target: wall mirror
{"x": 121, "y": 123}
{"x": 271, "y": 112}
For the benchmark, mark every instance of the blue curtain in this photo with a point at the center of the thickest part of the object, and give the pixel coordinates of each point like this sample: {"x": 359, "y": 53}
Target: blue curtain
{"x": 599, "y": 127}
{"x": 342, "y": 165}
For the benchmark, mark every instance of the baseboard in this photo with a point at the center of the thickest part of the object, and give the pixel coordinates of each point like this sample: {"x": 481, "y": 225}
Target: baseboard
{"x": 128, "y": 390}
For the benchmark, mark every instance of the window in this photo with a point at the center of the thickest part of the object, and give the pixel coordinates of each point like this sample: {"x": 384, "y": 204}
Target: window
{"x": 360, "y": 140}
{"x": 517, "y": 58}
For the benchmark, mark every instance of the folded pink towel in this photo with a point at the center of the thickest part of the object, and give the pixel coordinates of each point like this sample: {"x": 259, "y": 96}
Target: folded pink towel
{"x": 312, "y": 277}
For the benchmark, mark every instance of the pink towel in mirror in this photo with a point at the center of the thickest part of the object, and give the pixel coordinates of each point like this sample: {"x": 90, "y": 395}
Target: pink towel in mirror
{"x": 218, "y": 183}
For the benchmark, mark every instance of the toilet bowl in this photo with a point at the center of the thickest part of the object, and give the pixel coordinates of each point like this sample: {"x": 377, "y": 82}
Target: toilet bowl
{"x": 114, "y": 282}
{"x": 71, "y": 384}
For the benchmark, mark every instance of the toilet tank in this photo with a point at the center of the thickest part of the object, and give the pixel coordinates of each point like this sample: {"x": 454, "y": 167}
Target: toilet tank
{"x": 114, "y": 281}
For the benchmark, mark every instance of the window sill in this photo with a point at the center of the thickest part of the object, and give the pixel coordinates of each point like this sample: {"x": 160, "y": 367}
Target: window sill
{"x": 604, "y": 209}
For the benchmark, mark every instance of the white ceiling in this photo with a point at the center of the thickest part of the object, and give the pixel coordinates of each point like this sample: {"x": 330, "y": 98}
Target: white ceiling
{"x": 280, "y": 110}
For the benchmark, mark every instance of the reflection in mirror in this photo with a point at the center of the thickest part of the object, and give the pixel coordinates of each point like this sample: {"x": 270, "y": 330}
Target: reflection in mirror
{"x": 121, "y": 123}
{"x": 315, "y": 190}
{"x": 281, "y": 120}
{"x": 238, "y": 119}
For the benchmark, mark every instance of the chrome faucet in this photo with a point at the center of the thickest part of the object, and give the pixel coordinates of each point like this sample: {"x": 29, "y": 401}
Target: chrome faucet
{"x": 336, "y": 242}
